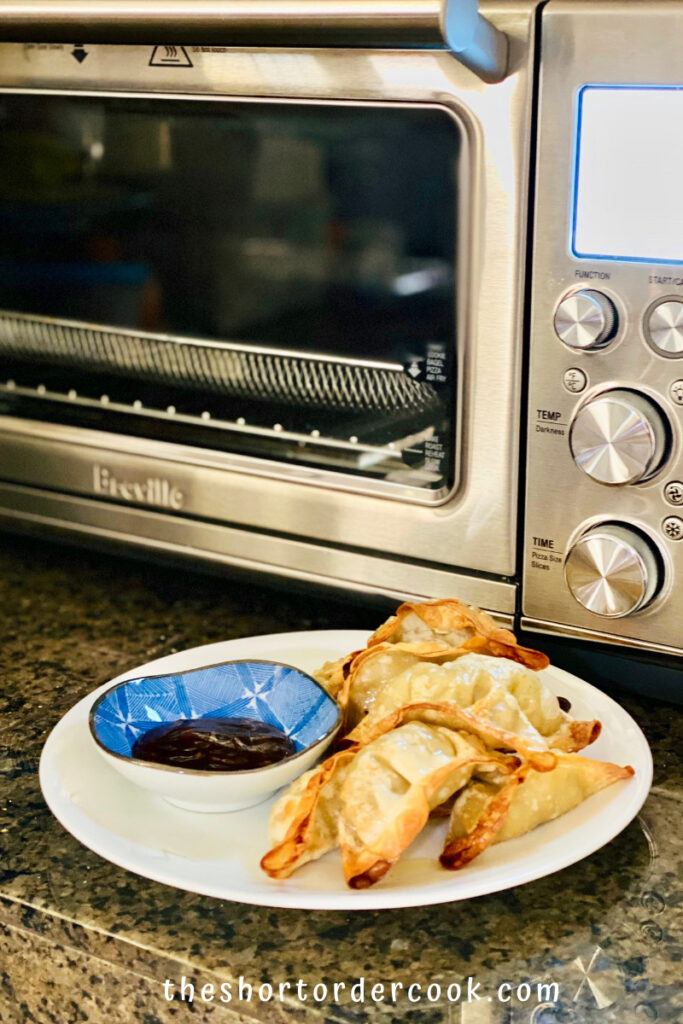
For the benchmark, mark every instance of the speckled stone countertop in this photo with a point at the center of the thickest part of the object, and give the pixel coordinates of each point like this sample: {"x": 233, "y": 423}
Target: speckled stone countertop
{"x": 82, "y": 940}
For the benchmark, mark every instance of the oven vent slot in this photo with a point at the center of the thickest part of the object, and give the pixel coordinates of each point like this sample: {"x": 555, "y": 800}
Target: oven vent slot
{"x": 219, "y": 368}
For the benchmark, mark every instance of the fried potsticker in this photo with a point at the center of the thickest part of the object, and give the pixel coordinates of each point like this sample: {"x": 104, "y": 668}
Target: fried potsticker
{"x": 435, "y": 631}
{"x": 453, "y": 624}
{"x": 303, "y": 822}
{"x": 486, "y": 812}
{"x": 502, "y": 692}
{"x": 393, "y": 784}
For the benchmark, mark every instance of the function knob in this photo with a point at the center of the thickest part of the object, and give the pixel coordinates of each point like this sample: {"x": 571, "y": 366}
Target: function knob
{"x": 586, "y": 320}
{"x": 664, "y": 327}
{"x": 613, "y": 570}
{"x": 620, "y": 437}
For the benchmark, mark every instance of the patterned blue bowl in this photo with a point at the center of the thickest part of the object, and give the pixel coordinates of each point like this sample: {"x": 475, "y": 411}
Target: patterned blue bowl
{"x": 263, "y": 690}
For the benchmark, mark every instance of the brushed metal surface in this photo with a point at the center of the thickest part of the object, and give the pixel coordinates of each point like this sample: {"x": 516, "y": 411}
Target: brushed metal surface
{"x": 560, "y": 629}
{"x": 452, "y": 23}
{"x": 618, "y": 438}
{"x": 612, "y": 571}
{"x": 231, "y": 22}
{"x": 595, "y": 42}
{"x": 585, "y": 319}
{"x": 475, "y": 528}
{"x": 664, "y": 327}
{"x": 64, "y": 515}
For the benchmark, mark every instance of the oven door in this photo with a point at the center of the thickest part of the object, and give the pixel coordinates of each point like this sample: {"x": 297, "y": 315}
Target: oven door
{"x": 273, "y": 290}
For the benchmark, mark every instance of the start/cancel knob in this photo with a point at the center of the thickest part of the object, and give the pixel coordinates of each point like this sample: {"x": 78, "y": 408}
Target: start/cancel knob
{"x": 613, "y": 570}
{"x": 664, "y": 327}
{"x": 586, "y": 320}
{"x": 619, "y": 437}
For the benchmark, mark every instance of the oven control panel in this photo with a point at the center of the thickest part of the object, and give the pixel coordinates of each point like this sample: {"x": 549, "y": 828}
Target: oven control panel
{"x": 603, "y": 545}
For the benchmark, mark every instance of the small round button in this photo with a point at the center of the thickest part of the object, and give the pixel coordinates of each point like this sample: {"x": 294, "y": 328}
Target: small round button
{"x": 673, "y": 492}
{"x": 585, "y": 320}
{"x": 673, "y": 527}
{"x": 575, "y": 380}
{"x": 676, "y": 391}
{"x": 664, "y": 327}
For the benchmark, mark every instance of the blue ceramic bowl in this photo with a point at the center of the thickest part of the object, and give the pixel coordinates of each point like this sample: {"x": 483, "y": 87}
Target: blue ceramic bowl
{"x": 263, "y": 690}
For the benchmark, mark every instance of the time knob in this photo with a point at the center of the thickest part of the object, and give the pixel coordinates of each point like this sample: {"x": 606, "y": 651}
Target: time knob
{"x": 613, "y": 570}
{"x": 586, "y": 320}
{"x": 619, "y": 437}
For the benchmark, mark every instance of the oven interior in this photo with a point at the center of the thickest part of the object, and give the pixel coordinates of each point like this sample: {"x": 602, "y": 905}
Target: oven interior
{"x": 276, "y": 280}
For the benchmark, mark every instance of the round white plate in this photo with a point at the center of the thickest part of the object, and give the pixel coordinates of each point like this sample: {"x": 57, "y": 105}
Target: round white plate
{"x": 218, "y": 854}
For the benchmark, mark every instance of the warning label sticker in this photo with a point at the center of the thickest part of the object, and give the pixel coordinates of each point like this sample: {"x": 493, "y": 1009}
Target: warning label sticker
{"x": 169, "y": 56}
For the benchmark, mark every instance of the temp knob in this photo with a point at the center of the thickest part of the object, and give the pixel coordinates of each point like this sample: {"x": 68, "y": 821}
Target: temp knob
{"x": 613, "y": 570}
{"x": 664, "y": 327}
{"x": 620, "y": 437}
{"x": 586, "y": 320}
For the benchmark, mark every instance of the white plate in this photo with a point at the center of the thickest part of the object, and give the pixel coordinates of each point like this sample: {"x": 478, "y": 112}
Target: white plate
{"x": 218, "y": 854}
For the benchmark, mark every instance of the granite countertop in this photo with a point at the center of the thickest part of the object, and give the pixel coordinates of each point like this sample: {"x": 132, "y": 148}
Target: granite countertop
{"x": 83, "y": 940}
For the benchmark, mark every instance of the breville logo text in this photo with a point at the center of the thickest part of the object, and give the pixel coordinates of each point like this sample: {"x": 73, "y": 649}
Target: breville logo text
{"x": 154, "y": 490}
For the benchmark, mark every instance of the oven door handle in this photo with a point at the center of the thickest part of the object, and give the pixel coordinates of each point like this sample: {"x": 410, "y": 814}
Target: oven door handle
{"x": 455, "y": 24}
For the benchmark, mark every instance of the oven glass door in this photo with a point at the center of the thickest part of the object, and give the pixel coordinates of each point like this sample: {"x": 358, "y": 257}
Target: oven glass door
{"x": 276, "y": 280}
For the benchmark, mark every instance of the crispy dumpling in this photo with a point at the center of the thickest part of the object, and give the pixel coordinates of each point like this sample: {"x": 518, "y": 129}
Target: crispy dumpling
{"x": 446, "y": 716}
{"x": 454, "y": 624}
{"x": 451, "y": 716}
{"x": 375, "y": 667}
{"x": 369, "y": 673}
{"x": 466, "y": 681}
{"x": 433, "y": 631}
{"x": 495, "y": 690}
{"x": 391, "y": 787}
{"x": 355, "y": 680}
{"x": 487, "y": 812}
{"x": 303, "y": 821}
{"x": 332, "y": 674}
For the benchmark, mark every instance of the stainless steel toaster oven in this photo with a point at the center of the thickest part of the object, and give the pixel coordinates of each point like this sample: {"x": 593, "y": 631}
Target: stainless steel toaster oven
{"x": 384, "y": 295}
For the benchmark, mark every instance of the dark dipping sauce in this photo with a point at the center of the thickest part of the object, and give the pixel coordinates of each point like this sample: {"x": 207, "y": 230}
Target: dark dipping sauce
{"x": 214, "y": 744}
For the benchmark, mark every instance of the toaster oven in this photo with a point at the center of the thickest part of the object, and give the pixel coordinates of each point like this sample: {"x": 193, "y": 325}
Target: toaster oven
{"x": 280, "y": 291}
{"x": 262, "y": 303}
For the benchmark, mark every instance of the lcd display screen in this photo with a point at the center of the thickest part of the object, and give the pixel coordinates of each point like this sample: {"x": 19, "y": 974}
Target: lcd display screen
{"x": 628, "y": 174}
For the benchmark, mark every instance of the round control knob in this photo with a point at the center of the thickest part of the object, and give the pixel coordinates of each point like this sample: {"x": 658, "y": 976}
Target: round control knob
{"x": 664, "y": 327}
{"x": 613, "y": 570}
{"x": 586, "y": 320}
{"x": 620, "y": 437}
